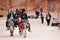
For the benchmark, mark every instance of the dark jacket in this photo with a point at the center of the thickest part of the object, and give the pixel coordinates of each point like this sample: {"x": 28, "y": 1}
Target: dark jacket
{"x": 42, "y": 15}
{"x": 24, "y": 16}
{"x": 48, "y": 15}
{"x": 9, "y": 15}
{"x": 37, "y": 13}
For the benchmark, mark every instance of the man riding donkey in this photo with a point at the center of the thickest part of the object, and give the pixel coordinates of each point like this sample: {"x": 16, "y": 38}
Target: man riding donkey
{"x": 23, "y": 23}
{"x": 10, "y": 21}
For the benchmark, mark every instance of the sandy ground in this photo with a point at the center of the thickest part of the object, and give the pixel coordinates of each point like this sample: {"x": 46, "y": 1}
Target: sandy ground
{"x": 38, "y": 31}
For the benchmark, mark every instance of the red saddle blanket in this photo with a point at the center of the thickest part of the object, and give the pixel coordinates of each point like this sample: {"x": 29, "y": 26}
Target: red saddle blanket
{"x": 21, "y": 25}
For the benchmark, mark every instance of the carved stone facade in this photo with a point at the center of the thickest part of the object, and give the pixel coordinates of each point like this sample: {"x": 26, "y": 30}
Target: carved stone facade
{"x": 53, "y": 5}
{"x": 30, "y": 5}
{"x": 5, "y": 4}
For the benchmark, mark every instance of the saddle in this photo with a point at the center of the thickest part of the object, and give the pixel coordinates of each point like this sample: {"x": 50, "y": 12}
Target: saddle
{"x": 21, "y": 25}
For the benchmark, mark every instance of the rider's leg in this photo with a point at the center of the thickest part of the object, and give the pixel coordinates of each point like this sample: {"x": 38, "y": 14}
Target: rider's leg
{"x": 24, "y": 31}
{"x": 7, "y": 25}
{"x": 29, "y": 27}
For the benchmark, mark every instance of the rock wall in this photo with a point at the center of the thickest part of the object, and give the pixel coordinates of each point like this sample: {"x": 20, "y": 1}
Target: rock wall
{"x": 30, "y": 5}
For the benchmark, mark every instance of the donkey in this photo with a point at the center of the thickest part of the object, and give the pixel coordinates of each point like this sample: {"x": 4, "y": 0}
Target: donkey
{"x": 11, "y": 26}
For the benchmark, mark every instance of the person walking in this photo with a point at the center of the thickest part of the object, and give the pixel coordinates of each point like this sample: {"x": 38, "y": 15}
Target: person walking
{"x": 48, "y": 18}
{"x": 41, "y": 15}
{"x": 42, "y": 18}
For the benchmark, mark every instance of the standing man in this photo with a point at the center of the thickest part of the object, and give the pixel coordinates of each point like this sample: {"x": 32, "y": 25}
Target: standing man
{"x": 48, "y": 18}
{"x": 42, "y": 16}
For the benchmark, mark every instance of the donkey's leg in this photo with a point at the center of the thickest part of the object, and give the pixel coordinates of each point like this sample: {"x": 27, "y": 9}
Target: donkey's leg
{"x": 24, "y": 31}
{"x": 20, "y": 31}
{"x": 11, "y": 30}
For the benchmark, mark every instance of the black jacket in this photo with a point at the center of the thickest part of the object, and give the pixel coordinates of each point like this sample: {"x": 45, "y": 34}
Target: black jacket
{"x": 9, "y": 15}
{"x": 24, "y": 16}
{"x": 48, "y": 16}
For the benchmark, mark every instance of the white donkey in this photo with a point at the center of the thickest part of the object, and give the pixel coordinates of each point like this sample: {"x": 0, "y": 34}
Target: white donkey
{"x": 11, "y": 26}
